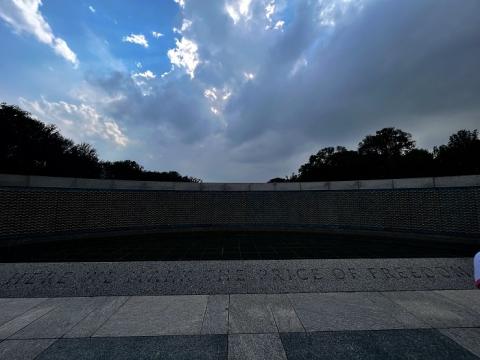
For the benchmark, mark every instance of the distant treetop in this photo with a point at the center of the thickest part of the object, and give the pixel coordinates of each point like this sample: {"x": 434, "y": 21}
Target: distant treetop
{"x": 28, "y": 146}
{"x": 391, "y": 153}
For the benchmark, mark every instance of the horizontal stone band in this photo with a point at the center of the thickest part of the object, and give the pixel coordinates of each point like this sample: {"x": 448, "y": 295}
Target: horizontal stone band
{"x": 230, "y": 277}
{"x": 7, "y": 180}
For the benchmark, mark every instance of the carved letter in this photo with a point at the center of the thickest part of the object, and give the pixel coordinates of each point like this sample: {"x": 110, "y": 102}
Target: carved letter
{"x": 338, "y": 273}
{"x": 316, "y": 274}
{"x": 353, "y": 272}
{"x": 299, "y": 274}
{"x": 276, "y": 273}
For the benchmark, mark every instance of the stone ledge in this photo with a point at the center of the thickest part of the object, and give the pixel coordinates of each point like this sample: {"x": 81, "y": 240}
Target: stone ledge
{"x": 233, "y": 277}
{"x": 7, "y": 180}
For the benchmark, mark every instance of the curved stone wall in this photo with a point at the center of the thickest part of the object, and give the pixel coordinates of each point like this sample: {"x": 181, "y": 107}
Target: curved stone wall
{"x": 41, "y": 206}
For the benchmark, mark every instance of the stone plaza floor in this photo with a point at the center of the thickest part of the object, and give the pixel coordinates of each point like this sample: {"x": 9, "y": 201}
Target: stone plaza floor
{"x": 442, "y": 324}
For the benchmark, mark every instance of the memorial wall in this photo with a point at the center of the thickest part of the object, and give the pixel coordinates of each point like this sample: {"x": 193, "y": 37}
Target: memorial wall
{"x": 33, "y": 205}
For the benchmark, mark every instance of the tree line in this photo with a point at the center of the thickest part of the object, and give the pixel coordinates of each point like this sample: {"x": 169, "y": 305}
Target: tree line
{"x": 391, "y": 153}
{"x": 28, "y": 146}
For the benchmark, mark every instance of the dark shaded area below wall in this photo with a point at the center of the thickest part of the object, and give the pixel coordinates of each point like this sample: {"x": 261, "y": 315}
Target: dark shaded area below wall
{"x": 232, "y": 245}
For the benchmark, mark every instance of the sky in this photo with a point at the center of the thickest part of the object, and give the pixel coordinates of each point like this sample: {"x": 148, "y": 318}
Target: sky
{"x": 241, "y": 90}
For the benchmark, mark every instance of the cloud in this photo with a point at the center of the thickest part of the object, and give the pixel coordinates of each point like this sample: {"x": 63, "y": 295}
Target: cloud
{"x": 181, "y": 3}
{"x": 185, "y": 55}
{"x": 279, "y": 25}
{"x": 270, "y": 10}
{"x": 298, "y": 65}
{"x": 80, "y": 122}
{"x": 92, "y": 9}
{"x": 142, "y": 81}
{"x": 156, "y": 35}
{"x": 240, "y": 10}
{"x": 138, "y": 39}
{"x": 210, "y": 94}
{"x": 62, "y": 49}
{"x": 24, "y": 16}
{"x": 148, "y": 75}
{"x": 249, "y": 76}
{"x": 330, "y": 11}
{"x": 185, "y": 26}
{"x": 244, "y": 102}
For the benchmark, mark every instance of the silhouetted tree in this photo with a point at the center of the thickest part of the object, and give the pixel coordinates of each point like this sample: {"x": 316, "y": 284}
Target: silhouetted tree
{"x": 330, "y": 163}
{"x": 388, "y": 142}
{"x": 167, "y": 176}
{"x": 381, "y": 153}
{"x": 461, "y": 155}
{"x": 391, "y": 153}
{"x": 82, "y": 161}
{"x": 28, "y": 146}
{"x": 131, "y": 170}
{"x": 123, "y": 170}
{"x": 278, "y": 180}
{"x": 416, "y": 163}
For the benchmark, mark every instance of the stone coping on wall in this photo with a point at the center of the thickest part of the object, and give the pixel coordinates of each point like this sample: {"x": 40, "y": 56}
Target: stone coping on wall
{"x": 8, "y": 180}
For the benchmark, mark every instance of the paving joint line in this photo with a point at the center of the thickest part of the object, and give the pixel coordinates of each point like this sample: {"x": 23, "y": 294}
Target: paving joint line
{"x": 204, "y": 314}
{"x": 41, "y": 352}
{"x": 27, "y": 310}
{"x": 276, "y": 326}
{"x": 108, "y": 318}
{"x": 30, "y": 323}
{"x": 228, "y": 325}
{"x": 456, "y": 342}
{"x": 83, "y": 318}
{"x": 429, "y": 326}
{"x": 453, "y": 302}
{"x": 240, "y": 333}
{"x": 295, "y": 311}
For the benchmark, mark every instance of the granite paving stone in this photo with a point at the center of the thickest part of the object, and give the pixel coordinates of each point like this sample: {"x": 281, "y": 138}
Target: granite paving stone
{"x": 23, "y": 349}
{"x": 250, "y": 313}
{"x": 11, "y": 308}
{"x": 434, "y": 309}
{"x": 425, "y": 344}
{"x": 469, "y": 338}
{"x": 351, "y": 311}
{"x": 67, "y": 313}
{"x": 204, "y": 347}
{"x": 255, "y": 347}
{"x": 97, "y": 317}
{"x": 10, "y": 328}
{"x": 216, "y": 315}
{"x": 467, "y": 298}
{"x": 157, "y": 315}
{"x": 283, "y": 312}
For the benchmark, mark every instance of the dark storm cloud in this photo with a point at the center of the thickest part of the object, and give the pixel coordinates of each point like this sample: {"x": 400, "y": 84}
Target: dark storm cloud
{"x": 328, "y": 78}
{"x": 177, "y": 107}
{"x": 391, "y": 64}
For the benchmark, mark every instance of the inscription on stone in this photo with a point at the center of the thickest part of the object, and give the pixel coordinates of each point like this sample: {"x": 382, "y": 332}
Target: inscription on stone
{"x": 88, "y": 279}
{"x": 239, "y": 275}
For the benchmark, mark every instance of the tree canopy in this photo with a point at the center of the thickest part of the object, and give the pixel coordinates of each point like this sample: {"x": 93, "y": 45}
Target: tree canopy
{"x": 391, "y": 153}
{"x": 28, "y": 146}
